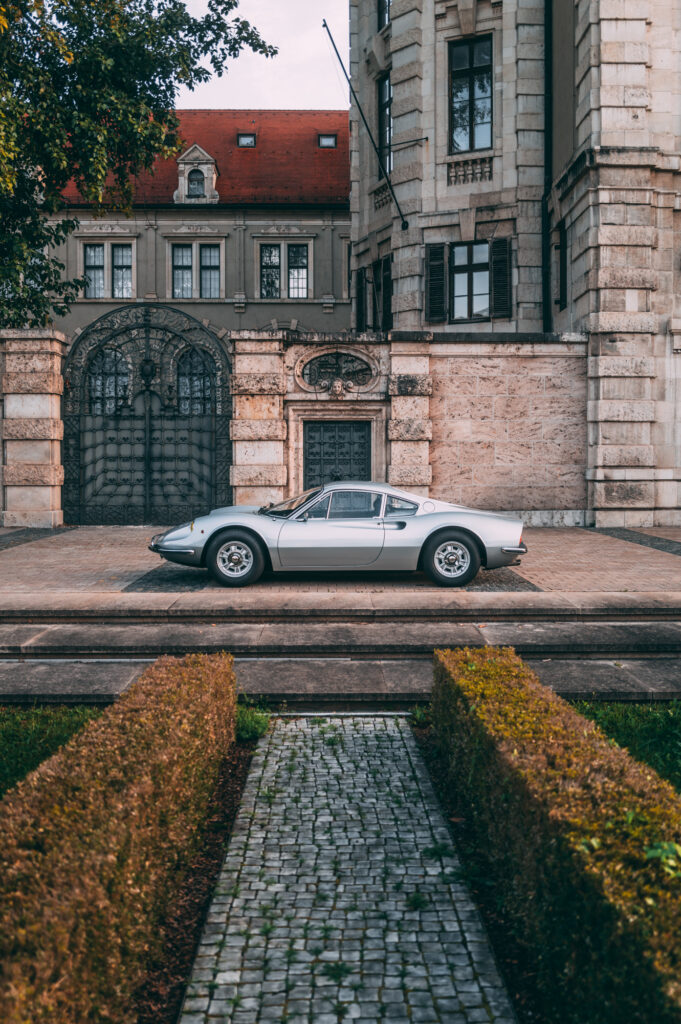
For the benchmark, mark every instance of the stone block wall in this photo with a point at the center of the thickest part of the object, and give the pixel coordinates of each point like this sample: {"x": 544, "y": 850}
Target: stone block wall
{"x": 32, "y": 428}
{"x": 509, "y": 429}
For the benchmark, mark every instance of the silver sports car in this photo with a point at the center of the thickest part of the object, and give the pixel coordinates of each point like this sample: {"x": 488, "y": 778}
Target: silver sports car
{"x": 348, "y": 525}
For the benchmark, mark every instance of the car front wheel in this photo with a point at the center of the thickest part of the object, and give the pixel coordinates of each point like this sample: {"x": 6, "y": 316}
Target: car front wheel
{"x": 451, "y": 559}
{"x": 235, "y": 559}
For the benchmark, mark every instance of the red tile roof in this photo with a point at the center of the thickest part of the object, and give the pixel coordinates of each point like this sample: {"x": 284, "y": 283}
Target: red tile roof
{"x": 287, "y": 164}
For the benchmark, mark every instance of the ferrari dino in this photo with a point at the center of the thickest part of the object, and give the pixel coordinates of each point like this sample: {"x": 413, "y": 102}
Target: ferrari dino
{"x": 345, "y": 526}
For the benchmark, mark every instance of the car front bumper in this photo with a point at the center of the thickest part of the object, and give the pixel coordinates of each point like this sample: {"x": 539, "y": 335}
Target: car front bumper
{"x": 183, "y": 556}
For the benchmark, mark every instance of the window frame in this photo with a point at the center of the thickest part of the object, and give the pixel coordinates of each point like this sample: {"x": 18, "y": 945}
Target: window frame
{"x": 350, "y": 490}
{"x": 87, "y": 238}
{"x": 471, "y": 267}
{"x": 194, "y": 171}
{"x": 120, "y": 266}
{"x": 382, "y": 14}
{"x": 203, "y": 246}
{"x": 241, "y": 136}
{"x": 283, "y": 241}
{"x": 195, "y": 241}
{"x": 469, "y": 73}
{"x": 327, "y": 135}
{"x": 384, "y": 124}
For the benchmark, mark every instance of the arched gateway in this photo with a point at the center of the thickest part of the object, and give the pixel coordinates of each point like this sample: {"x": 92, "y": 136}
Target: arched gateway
{"x": 146, "y": 419}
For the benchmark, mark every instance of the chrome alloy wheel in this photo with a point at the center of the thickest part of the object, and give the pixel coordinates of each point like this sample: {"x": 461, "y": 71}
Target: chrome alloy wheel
{"x": 452, "y": 559}
{"x": 234, "y": 559}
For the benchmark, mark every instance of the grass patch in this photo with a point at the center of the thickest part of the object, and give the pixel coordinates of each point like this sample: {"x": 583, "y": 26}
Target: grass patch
{"x": 251, "y": 722}
{"x": 650, "y": 732}
{"x": 30, "y": 735}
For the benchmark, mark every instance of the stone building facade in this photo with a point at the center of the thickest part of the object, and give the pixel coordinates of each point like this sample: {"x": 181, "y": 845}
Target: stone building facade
{"x": 527, "y": 261}
{"x": 510, "y": 247}
{"x": 180, "y": 379}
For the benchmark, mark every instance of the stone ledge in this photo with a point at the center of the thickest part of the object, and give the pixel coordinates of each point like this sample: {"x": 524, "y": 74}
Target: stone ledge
{"x": 31, "y": 474}
{"x": 621, "y": 323}
{"x": 257, "y": 476}
{"x": 258, "y": 384}
{"x": 410, "y": 476}
{"x": 258, "y": 430}
{"x": 32, "y": 383}
{"x": 410, "y": 384}
{"x": 620, "y": 411}
{"x": 410, "y": 430}
{"x": 625, "y": 366}
{"x": 32, "y": 430}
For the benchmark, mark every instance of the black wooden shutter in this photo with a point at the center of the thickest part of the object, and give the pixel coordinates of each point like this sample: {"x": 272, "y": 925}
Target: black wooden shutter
{"x": 387, "y": 293}
{"x": 361, "y": 299}
{"x": 436, "y": 284}
{"x": 500, "y": 278}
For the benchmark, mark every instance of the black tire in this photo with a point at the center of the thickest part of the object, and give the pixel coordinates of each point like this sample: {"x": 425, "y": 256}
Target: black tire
{"x": 223, "y": 552}
{"x": 451, "y": 545}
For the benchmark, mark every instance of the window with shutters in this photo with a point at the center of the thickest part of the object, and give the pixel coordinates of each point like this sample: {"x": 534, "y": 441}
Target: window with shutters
{"x": 468, "y": 281}
{"x": 470, "y": 95}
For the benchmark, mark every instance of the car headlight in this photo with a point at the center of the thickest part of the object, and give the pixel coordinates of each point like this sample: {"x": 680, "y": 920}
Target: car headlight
{"x": 179, "y": 532}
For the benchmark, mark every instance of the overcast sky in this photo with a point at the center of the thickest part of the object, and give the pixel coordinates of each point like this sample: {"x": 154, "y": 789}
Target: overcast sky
{"x": 304, "y": 74}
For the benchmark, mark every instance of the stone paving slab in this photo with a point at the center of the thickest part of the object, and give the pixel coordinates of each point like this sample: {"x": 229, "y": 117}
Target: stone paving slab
{"x": 340, "y": 898}
{"x": 58, "y": 682}
{"x": 110, "y": 560}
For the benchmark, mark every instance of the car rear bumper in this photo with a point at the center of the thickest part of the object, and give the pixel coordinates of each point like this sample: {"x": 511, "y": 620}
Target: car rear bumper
{"x": 521, "y": 549}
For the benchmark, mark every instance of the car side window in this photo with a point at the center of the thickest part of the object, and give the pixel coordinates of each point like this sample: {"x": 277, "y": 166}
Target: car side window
{"x": 320, "y": 510}
{"x": 355, "y": 505}
{"x": 399, "y": 507}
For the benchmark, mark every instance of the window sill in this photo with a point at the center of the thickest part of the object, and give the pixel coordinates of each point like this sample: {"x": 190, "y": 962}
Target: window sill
{"x": 471, "y": 154}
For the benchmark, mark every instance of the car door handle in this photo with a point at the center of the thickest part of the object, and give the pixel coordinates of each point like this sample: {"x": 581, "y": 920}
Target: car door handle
{"x": 392, "y": 525}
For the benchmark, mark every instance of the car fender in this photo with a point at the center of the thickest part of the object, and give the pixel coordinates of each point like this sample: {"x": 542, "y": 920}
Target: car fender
{"x": 444, "y": 528}
{"x": 266, "y": 538}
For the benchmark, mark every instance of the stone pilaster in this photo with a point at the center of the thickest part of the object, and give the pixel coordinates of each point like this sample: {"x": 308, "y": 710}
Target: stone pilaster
{"x": 32, "y": 385}
{"x": 258, "y": 428}
{"x": 409, "y": 428}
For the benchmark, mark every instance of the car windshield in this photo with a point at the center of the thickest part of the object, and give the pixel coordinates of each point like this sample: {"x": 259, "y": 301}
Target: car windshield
{"x": 287, "y": 508}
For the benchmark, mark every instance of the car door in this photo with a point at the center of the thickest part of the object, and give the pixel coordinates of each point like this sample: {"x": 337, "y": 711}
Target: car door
{"x": 343, "y": 530}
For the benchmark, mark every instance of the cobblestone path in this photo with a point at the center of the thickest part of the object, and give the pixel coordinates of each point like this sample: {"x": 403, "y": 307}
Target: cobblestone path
{"x": 339, "y": 899}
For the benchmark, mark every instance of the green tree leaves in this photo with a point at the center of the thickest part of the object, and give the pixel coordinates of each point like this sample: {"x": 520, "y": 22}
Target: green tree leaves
{"x": 87, "y": 96}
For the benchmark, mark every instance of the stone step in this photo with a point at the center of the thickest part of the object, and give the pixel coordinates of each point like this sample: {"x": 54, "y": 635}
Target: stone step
{"x": 377, "y": 640}
{"x": 335, "y": 683}
{"x": 252, "y": 605}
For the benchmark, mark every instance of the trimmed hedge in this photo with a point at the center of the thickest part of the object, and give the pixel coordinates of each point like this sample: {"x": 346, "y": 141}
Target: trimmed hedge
{"x": 577, "y": 837}
{"x": 96, "y": 841}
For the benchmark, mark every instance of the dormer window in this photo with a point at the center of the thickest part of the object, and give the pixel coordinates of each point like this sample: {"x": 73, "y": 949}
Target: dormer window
{"x": 196, "y": 184}
{"x": 197, "y": 175}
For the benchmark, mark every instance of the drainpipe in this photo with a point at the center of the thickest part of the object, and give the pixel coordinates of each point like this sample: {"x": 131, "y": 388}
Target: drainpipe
{"x": 547, "y": 305}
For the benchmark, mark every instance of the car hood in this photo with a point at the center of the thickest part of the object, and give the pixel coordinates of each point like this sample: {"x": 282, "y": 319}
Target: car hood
{"x": 234, "y": 510}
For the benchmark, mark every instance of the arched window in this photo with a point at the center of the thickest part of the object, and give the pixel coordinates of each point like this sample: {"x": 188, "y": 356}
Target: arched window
{"x": 196, "y": 184}
{"x": 108, "y": 382}
{"x": 322, "y": 371}
{"x": 195, "y": 382}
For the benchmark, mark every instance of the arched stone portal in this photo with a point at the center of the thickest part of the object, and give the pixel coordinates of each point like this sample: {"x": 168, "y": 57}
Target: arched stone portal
{"x": 147, "y": 410}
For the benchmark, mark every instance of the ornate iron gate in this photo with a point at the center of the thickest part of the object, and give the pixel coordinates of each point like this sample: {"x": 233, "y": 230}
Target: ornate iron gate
{"x": 336, "y": 450}
{"x": 146, "y": 419}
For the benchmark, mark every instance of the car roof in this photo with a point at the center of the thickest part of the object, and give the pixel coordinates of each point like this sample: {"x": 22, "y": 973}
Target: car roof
{"x": 369, "y": 485}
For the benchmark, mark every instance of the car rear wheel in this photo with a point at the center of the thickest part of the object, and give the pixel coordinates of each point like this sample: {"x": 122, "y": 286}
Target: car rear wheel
{"x": 235, "y": 559}
{"x": 451, "y": 559}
